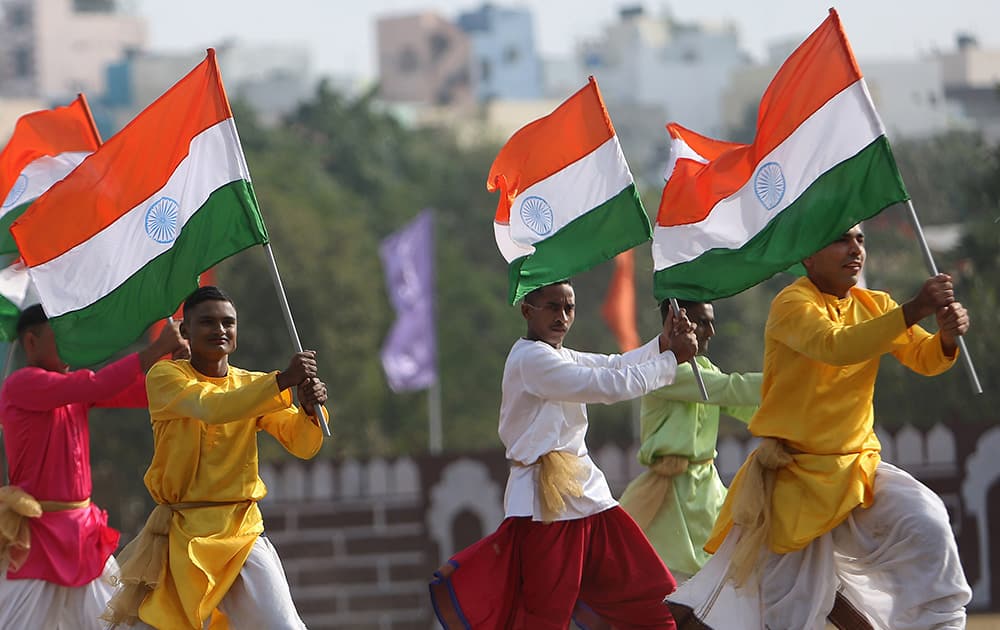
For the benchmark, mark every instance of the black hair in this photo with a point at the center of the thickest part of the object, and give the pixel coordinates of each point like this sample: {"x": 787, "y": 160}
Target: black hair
{"x": 685, "y": 304}
{"x": 530, "y": 297}
{"x": 205, "y": 294}
{"x": 30, "y": 318}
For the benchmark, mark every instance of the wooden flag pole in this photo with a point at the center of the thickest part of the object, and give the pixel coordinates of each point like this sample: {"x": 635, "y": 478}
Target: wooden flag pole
{"x": 929, "y": 260}
{"x": 694, "y": 364}
{"x": 287, "y": 312}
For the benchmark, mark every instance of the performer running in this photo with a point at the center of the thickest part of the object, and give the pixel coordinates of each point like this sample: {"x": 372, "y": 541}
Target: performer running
{"x": 814, "y": 509}
{"x": 201, "y": 559}
{"x": 678, "y": 499}
{"x": 55, "y": 545}
{"x": 564, "y": 538}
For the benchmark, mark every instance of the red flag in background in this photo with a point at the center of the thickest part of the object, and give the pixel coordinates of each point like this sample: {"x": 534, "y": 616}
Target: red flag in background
{"x": 619, "y": 305}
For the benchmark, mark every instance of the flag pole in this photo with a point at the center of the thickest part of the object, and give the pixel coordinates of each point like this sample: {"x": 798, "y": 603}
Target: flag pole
{"x": 929, "y": 260}
{"x": 11, "y": 347}
{"x": 434, "y": 415}
{"x": 90, "y": 117}
{"x": 694, "y": 364}
{"x": 287, "y": 312}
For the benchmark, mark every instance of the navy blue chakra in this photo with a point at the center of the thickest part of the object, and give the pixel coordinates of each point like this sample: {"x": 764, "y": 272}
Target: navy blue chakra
{"x": 769, "y": 184}
{"x": 161, "y": 220}
{"x": 537, "y": 215}
{"x": 20, "y": 185}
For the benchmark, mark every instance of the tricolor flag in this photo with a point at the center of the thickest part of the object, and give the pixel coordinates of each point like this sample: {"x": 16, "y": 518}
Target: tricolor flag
{"x": 567, "y": 199}
{"x": 733, "y": 215}
{"x": 165, "y": 199}
{"x": 45, "y": 146}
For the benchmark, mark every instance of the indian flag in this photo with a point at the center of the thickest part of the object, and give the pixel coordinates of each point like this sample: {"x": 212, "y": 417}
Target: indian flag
{"x": 165, "y": 199}
{"x": 732, "y": 215}
{"x": 16, "y": 294}
{"x": 567, "y": 198}
{"x": 44, "y": 148}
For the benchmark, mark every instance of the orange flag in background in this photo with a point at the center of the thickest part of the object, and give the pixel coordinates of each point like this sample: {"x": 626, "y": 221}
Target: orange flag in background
{"x": 619, "y": 305}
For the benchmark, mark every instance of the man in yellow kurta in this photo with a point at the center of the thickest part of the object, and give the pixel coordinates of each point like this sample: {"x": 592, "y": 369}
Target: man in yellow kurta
{"x": 814, "y": 510}
{"x": 201, "y": 560}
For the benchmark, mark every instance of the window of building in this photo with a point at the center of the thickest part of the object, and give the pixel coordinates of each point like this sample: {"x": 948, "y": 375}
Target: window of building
{"x": 485, "y": 70}
{"x": 18, "y": 16}
{"x": 94, "y": 6}
{"x": 511, "y": 54}
{"x": 408, "y": 62}
{"x": 439, "y": 45}
{"x": 22, "y": 62}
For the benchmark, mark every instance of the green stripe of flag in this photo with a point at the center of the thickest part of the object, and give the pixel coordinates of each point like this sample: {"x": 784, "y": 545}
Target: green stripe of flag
{"x": 227, "y": 223}
{"x": 618, "y": 224}
{"x": 854, "y": 190}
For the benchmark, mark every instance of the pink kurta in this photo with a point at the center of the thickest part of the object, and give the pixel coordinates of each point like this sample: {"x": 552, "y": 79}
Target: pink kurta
{"x": 47, "y": 441}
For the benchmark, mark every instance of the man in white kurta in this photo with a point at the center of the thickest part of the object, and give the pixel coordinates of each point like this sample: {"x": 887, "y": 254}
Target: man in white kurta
{"x": 565, "y": 548}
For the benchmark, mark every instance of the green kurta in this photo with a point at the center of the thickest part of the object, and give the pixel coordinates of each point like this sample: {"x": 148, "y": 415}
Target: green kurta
{"x": 675, "y": 421}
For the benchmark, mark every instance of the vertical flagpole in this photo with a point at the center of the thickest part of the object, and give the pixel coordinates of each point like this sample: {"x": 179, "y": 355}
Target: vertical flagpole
{"x": 9, "y": 363}
{"x": 287, "y": 312}
{"x": 929, "y": 260}
{"x": 434, "y": 415}
{"x": 90, "y": 117}
{"x": 694, "y": 364}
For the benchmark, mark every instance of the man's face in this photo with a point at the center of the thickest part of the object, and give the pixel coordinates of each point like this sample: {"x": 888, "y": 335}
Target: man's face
{"x": 550, "y": 313}
{"x": 837, "y": 267}
{"x": 210, "y": 328}
{"x": 40, "y": 347}
{"x": 703, "y": 318}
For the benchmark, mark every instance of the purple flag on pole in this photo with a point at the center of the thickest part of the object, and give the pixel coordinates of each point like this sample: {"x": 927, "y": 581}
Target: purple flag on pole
{"x": 409, "y": 354}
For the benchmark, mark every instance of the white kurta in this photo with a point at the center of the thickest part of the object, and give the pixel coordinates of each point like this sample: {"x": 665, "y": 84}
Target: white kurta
{"x": 545, "y": 391}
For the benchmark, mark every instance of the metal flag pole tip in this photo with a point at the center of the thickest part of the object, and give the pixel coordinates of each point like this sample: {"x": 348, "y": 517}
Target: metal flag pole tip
{"x": 287, "y": 312}
{"x": 694, "y": 364}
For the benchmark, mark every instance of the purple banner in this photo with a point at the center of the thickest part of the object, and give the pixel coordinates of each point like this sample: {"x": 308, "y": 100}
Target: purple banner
{"x": 409, "y": 354}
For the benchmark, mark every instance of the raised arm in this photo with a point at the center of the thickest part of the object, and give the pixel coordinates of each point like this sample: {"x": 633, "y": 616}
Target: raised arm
{"x": 36, "y": 389}
{"x": 173, "y": 394}
{"x": 297, "y": 428}
{"x": 800, "y": 324}
{"x": 724, "y": 390}
{"x": 547, "y": 374}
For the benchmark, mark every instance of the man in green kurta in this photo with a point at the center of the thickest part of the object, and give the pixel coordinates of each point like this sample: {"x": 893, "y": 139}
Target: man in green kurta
{"x": 678, "y": 499}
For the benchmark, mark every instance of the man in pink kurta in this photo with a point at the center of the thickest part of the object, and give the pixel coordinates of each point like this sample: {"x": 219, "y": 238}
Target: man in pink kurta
{"x": 61, "y": 580}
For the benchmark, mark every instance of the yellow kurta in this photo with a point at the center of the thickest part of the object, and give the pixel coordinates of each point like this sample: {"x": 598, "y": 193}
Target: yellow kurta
{"x": 821, "y": 357}
{"x": 205, "y": 450}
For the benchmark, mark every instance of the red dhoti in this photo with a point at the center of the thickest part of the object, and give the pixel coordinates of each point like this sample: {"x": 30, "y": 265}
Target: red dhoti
{"x": 530, "y": 575}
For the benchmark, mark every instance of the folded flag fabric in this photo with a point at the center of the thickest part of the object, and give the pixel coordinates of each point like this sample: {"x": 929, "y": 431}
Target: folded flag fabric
{"x": 16, "y": 294}
{"x": 45, "y": 146}
{"x": 732, "y": 215}
{"x": 567, "y": 198}
{"x": 163, "y": 200}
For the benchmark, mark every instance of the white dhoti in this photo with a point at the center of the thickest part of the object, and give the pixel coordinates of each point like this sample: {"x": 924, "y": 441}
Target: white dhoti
{"x": 896, "y": 561}
{"x": 41, "y": 605}
{"x": 260, "y": 598}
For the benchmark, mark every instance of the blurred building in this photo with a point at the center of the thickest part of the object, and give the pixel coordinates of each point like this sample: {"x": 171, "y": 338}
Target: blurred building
{"x": 424, "y": 59}
{"x": 646, "y": 60}
{"x": 909, "y": 95}
{"x": 972, "y": 81}
{"x": 273, "y": 78}
{"x": 505, "y": 62}
{"x": 52, "y": 49}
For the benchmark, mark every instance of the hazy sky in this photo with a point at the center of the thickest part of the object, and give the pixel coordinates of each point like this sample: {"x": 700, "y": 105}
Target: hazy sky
{"x": 341, "y": 33}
